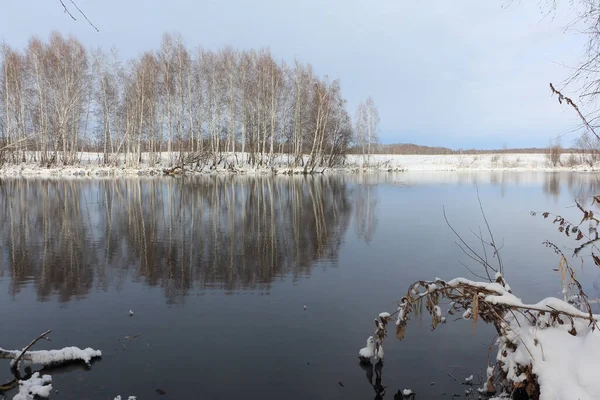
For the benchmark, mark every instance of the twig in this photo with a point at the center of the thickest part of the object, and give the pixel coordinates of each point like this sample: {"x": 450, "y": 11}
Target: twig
{"x": 15, "y": 363}
{"x": 84, "y": 16}
{"x": 67, "y": 10}
{"x": 14, "y": 143}
{"x": 570, "y": 102}
{"x": 452, "y": 376}
{"x": 80, "y": 11}
{"x": 475, "y": 255}
{"x": 493, "y": 241}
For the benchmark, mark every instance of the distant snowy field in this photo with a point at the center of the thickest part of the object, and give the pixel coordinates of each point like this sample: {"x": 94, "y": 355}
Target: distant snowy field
{"x": 90, "y": 165}
{"x": 473, "y": 162}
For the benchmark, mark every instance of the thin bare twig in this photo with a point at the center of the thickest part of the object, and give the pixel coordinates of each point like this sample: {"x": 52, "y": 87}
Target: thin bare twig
{"x": 15, "y": 363}
{"x": 474, "y": 255}
{"x": 493, "y": 241}
{"x": 67, "y": 10}
{"x": 84, "y": 16}
{"x": 570, "y": 102}
{"x": 80, "y": 11}
{"x": 14, "y": 143}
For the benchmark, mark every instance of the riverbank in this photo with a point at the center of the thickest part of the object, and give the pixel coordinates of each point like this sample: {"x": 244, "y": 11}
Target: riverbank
{"x": 90, "y": 165}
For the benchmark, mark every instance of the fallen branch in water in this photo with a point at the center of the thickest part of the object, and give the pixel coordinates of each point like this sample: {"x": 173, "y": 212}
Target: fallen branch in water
{"x": 49, "y": 357}
{"x": 15, "y": 362}
{"x": 34, "y": 385}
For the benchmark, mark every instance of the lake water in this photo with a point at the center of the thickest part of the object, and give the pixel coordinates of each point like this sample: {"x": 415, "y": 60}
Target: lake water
{"x": 218, "y": 270}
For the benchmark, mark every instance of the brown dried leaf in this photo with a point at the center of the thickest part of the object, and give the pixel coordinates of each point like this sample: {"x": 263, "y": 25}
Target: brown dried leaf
{"x": 596, "y": 259}
{"x": 573, "y": 331}
{"x": 400, "y": 331}
{"x": 475, "y": 310}
{"x": 579, "y": 236}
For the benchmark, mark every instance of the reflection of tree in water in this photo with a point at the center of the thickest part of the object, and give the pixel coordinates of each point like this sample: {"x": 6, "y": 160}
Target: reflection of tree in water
{"x": 222, "y": 232}
{"x": 581, "y": 186}
{"x": 43, "y": 237}
{"x": 552, "y": 184}
{"x": 365, "y": 209}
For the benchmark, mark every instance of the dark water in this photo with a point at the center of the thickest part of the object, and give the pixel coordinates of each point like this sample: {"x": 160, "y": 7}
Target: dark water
{"x": 218, "y": 269}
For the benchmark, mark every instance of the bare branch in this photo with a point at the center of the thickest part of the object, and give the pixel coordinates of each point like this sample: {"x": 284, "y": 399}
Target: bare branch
{"x": 84, "y": 16}
{"x": 570, "y": 102}
{"x": 15, "y": 363}
{"x": 67, "y": 10}
{"x": 80, "y": 11}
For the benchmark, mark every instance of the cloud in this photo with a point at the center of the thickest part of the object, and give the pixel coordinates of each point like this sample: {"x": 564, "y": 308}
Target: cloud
{"x": 451, "y": 73}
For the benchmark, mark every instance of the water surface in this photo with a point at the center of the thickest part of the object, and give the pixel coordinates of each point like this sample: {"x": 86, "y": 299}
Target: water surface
{"x": 218, "y": 270}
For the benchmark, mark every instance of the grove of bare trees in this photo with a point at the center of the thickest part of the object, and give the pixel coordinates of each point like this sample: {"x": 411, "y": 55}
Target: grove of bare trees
{"x": 227, "y": 107}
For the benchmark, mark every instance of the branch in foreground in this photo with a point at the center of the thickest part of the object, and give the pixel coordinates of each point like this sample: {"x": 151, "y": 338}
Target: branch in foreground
{"x": 570, "y": 102}
{"x": 537, "y": 343}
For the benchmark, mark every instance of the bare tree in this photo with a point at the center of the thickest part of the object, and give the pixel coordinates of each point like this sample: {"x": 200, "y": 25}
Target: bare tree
{"x": 199, "y": 105}
{"x": 367, "y": 128}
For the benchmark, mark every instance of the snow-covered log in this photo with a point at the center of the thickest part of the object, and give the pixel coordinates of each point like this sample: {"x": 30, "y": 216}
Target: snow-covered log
{"x": 48, "y": 357}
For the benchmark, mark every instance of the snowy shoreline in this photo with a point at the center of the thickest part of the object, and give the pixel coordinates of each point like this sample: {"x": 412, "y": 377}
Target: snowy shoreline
{"x": 90, "y": 167}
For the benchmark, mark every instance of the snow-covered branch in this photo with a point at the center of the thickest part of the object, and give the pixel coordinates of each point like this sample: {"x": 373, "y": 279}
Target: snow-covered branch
{"x": 48, "y": 357}
{"x": 36, "y": 385}
{"x": 539, "y": 344}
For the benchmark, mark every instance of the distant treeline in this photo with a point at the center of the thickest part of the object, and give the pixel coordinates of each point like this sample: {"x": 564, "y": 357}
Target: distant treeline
{"x": 410, "y": 148}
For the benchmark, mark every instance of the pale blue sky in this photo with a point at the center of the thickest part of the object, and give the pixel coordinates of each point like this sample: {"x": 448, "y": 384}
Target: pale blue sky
{"x": 464, "y": 73}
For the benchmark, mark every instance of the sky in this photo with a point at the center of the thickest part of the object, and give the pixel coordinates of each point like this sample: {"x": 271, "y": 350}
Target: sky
{"x": 460, "y": 74}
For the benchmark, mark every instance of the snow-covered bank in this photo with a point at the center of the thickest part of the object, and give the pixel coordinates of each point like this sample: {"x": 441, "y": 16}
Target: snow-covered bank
{"x": 90, "y": 165}
{"x": 478, "y": 162}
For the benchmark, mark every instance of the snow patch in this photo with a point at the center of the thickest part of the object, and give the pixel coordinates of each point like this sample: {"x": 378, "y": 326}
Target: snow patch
{"x": 34, "y": 386}
{"x": 47, "y": 357}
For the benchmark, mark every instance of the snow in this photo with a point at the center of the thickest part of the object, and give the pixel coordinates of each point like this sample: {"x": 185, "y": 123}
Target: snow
{"x": 368, "y": 351}
{"x": 37, "y": 385}
{"x": 47, "y": 357}
{"x": 407, "y": 392}
{"x": 401, "y": 309}
{"x": 90, "y": 165}
{"x": 384, "y": 315}
{"x": 367, "y": 354}
{"x": 469, "y": 162}
{"x": 563, "y": 353}
{"x": 503, "y": 296}
{"x": 129, "y": 398}
{"x": 566, "y": 365}
{"x": 467, "y": 314}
